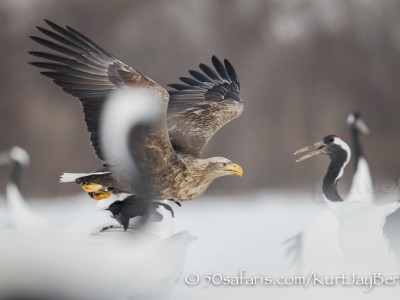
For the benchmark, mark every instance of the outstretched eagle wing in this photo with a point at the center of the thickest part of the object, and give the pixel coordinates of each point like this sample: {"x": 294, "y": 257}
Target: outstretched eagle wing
{"x": 202, "y": 105}
{"x": 88, "y": 72}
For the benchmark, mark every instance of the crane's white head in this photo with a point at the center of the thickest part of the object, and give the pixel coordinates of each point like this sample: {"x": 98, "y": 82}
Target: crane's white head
{"x": 19, "y": 155}
{"x": 354, "y": 120}
{"x": 330, "y": 145}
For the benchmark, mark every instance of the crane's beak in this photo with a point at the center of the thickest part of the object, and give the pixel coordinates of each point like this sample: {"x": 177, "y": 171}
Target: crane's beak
{"x": 317, "y": 148}
{"x": 360, "y": 125}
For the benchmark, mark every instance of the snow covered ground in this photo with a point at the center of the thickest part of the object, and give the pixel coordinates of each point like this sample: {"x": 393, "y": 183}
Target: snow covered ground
{"x": 234, "y": 233}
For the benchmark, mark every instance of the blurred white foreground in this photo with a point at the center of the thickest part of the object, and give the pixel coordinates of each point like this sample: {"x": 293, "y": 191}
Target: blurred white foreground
{"x": 234, "y": 233}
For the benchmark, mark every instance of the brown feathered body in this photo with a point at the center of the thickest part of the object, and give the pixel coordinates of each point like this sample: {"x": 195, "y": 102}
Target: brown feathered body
{"x": 186, "y": 179}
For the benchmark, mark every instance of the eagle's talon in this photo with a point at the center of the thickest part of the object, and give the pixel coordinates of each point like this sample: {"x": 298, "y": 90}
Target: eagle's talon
{"x": 166, "y": 206}
{"x": 100, "y": 194}
{"x": 176, "y": 202}
{"x": 91, "y": 187}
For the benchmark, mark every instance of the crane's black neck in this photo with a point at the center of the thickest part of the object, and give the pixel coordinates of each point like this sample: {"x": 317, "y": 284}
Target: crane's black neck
{"x": 338, "y": 161}
{"x": 16, "y": 173}
{"x": 357, "y": 150}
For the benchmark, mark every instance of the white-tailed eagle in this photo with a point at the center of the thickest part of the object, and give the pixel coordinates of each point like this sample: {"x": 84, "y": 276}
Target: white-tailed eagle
{"x": 167, "y": 151}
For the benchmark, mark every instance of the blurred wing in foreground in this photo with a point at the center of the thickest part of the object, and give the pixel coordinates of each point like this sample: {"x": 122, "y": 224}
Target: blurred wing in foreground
{"x": 135, "y": 141}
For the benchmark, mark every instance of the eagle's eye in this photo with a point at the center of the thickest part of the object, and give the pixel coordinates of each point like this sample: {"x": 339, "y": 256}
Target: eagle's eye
{"x": 224, "y": 164}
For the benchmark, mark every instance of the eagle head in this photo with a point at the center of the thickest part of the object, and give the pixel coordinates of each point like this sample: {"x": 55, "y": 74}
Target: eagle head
{"x": 220, "y": 166}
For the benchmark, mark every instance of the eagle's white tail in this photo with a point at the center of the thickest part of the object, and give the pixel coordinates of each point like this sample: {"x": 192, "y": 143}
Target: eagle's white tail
{"x": 71, "y": 177}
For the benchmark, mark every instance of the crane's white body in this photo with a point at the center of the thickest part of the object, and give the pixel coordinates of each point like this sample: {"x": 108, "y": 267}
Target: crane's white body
{"x": 362, "y": 188}
{"x": 365, "y": 234}
{"x": 22, "y": 215}
{"x": 361, "y": 236}
{"x": 349, "y": 236}
{"x": 320, "y": 245}
{"x": 116, "y": 265}
{"x": 144, "y": 264}
{"x": 321, "y": 248}
{"x": 112, "y": 264}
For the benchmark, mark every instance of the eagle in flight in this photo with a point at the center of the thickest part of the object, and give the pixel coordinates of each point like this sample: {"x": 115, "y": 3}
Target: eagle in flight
{"x": 168, "y": 151}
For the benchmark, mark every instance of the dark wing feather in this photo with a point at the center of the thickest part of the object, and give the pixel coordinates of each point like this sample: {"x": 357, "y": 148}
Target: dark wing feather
{"x": 86, "y": 71}
{"x": 199, "y": 76}
{"x": 198, "y": 108}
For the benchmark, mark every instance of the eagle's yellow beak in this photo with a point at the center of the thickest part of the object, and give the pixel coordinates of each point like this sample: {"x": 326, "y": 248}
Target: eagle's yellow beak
{"x": 235, "y": 169}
